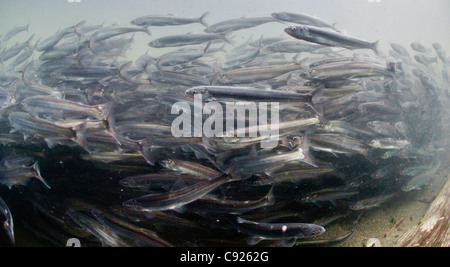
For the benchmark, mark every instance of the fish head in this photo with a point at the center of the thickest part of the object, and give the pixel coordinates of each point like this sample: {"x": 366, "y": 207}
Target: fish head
{"x": 408, "y": 187}
{"x": 168, "y": 164}
{"x": 375, "y": 144}
{"x": 374, "y": 126}
{"x": 24, "y": 105}
{"x": 317, "y": 230}
{"x": 155, "y": 44}
{"x": 132, "y": 205}
{"x": 309, "y": 74}
{"x": 127, "y": 182}
{"x": 198, "y": 91}
{"x": 298, "y": 31}
{"x": 362, "y": 110}
{"x": 357, "y": 206}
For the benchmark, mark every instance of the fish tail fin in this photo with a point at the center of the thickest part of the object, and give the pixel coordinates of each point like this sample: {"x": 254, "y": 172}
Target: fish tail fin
{"x": 270, "y": 197}
{"x": 301, "y": 62}
{"x": 25, "y": 70}
{"x": 79, "y": 25}
{"x": 29, "y": 42}
{"x": 76, "y": 28}
{"x": 374, "y": 47}
{"x": 123, "y": 72}
{"x": 305, "y": 154}
{"x": 208, "y": 46}
{"x": 147, "y": 153}
{"x": 261, "y": 42}
{"x": 316, "y": 105}
{"x": 37, "y": 171}
{"x": 91, "y": 42}
{"x": 110, "y": 122}
{"x": 202, "y": 19}
{"x": 317, "y": 94}
{"x": 105, "y": 109}
{"x": 318, "y": 108}
{"x": 159, "y": 65}
{"x": 226, "y": 37}
{"x": 222, "y": 49}
{"x": 80, "y": 136}
{"x": 147, "y": 29}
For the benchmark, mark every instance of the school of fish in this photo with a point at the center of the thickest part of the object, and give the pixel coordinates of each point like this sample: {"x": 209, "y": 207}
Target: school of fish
{"x": 358, "y": 127}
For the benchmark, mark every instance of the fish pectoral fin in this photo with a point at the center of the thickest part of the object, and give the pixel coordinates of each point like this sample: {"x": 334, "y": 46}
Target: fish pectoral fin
{"x": 287, "y": 243}
{"x": 180, "y": 210}
{"x": 270, "y": 171}
{"x": 180, "y": 184}
{"x": 254, "y": 240}
{"x": 52, "y": 142}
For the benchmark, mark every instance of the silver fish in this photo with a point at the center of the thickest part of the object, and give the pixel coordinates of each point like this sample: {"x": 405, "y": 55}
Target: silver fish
{"x": 291, "y": 47}
{"x": 343, "y": 71}
{"x": 21, "y": 175}
{"x": 190, "y": 168}
{"x": 157, "y": 181}
{"x": 425, "y": 60}
{"x": 275, "y": 231}
{"x": 15, "y": 50}
{"x": 187, "y": 39}
{"x": 52, "y": 41}
{"x": 218, "y": 206}
{"x": 177, "y": 199}
{"x": 153, "y": 20}
{"x": 181, "y": 56}
{"x": 109, "y": 32}
{"x": 238, "y": 24}
{"x": 418, "y": 47}
{"x": 401, "y": 50}
{"x": 245, "y": 167}
{"x": 389, "y": 143}
{"x": 15, "y": 31}
{"x": 329, "y": 38}
{"x": 54, "y": 107}
{"x": 370, "y": 203}
{"x": 254, "y": 74}
{"x": 30, "y": 126}
{"x": 304, "y": 19}
{"x": 422, "y": 179}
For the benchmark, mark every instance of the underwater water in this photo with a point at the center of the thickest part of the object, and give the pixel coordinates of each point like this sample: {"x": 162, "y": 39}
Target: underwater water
{"x": 90, "y": 95}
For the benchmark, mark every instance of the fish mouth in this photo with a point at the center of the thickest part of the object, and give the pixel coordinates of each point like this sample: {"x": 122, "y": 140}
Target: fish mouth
{"x": 190, "y": 94}
{"x": 288, "y": 31}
